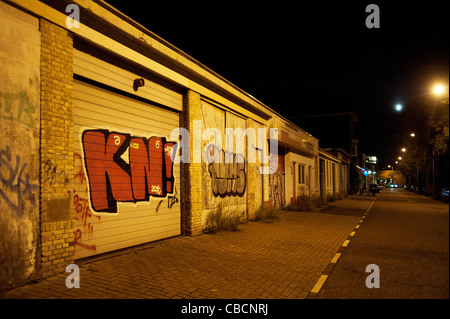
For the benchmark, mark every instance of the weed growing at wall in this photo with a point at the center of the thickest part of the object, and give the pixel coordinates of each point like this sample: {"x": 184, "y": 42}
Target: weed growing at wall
{"x": 219, "y": 219}
{"x": 303, "y": 204}
{"x": 267, "y": 215}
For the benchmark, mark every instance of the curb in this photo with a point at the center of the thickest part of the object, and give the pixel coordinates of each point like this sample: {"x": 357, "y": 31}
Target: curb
{"x": 322, "y": 279}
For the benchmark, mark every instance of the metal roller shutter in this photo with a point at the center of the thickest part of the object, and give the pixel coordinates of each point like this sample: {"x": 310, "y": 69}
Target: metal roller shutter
{"x": 126, "y": 186}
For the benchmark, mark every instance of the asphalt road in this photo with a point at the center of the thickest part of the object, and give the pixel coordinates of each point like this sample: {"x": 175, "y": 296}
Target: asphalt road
{"x": 407, "y": 236}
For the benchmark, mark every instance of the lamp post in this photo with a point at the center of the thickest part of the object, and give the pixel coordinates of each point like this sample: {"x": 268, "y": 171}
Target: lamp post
{"x": 438, "y": 91}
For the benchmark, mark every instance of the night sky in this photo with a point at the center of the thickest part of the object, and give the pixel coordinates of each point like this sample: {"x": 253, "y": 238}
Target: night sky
{"x": 302, "y": 58}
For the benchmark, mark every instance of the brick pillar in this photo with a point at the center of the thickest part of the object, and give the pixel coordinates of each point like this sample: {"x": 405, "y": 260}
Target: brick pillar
{"x": 252, "y": 174}
{"x": 56, "y": 158}
{"x": 191, "y": 173}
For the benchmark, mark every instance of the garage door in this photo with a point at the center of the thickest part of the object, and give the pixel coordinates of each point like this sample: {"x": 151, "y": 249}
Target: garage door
{"x": 126, "y": 186}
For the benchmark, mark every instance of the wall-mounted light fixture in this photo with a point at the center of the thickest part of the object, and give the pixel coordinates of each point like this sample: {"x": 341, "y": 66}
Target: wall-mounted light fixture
{"x": 138, "y": 83}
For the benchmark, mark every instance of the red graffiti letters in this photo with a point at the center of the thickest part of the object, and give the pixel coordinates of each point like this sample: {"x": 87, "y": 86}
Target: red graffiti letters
{"x": 124, "y": 168}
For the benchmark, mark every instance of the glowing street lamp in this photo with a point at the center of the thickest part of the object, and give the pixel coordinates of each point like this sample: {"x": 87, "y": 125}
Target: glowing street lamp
{"x": 412, "y": 134}
{"x": 403, "y": 150}
{"x": 438, "y": 89}
{"x": 398, "y": 107}
{"x": 399, "y": 158}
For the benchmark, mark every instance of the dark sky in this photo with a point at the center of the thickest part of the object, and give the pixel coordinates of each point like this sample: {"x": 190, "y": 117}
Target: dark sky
{"x": 302, "y": 58}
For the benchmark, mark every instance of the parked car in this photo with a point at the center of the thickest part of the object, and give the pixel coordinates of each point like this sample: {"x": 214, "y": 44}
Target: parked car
{"x": 445, "y": 193}
{"x": 373, "y": 188}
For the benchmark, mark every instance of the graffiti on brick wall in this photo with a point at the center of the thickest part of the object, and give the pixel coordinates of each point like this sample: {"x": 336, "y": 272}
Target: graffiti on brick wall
{"x": 125, "y": 168}
{"x": 228, "y": 177}
{"x": 51, "y": 172}
{"x": 15, "y": 186}
{"x": 17, "y": 107}
{"x": 276, "y": 189}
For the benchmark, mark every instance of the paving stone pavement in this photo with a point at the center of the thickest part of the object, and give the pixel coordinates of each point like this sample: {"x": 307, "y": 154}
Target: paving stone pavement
{"x": 279, "y": 260}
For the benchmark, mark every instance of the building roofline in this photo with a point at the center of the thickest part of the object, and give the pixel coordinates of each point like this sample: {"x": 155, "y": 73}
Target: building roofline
{"x": 352, "y": 115}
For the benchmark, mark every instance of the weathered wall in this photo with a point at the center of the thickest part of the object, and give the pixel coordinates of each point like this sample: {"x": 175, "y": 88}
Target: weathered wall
{"x": 255, "y": 180}
{"x": 309, "y": 187}
{"x": 331, "y": 178}
{"x": 19, "y": 145}
{"x": 277, "y": 183}
{"x": 225, "y": 182}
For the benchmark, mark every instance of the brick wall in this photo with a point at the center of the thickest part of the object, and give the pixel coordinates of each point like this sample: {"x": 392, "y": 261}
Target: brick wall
{"x": 252, "y": 175}
{"x": 191, "y": 173}
{"x": 56, "y": 159}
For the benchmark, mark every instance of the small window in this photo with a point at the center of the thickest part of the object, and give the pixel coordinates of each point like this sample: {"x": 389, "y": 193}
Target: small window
{"x": 301, "y": 174}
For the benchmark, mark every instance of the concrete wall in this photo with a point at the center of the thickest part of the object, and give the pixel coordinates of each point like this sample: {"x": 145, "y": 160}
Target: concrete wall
{"x": 331, "y": 178}
{"x": 310, "y": 186}
{"x": 20, "y": 43}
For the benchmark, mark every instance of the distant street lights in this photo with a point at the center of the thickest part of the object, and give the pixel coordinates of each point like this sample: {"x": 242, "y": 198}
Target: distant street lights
{"x": 440, "y": 91}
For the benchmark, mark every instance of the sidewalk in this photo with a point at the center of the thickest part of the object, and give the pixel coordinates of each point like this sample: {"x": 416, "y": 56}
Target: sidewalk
{"x": 279, "y": 260}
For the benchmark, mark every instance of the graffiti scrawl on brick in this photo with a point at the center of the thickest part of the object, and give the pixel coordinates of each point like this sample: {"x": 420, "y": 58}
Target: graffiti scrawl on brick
{"x": 124, "y": 168}
{"x": 228, "y": 176}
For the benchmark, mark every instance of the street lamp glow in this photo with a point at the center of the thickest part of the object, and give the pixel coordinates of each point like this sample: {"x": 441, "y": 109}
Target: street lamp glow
{"x": 403, "y": 150}
{"x": 398, "y": 107}
{"x": 412, "y": 134}
{"x": 396, "y": 162}
{"x": 399, "y": 158}
{"x": 438, "y": 89}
